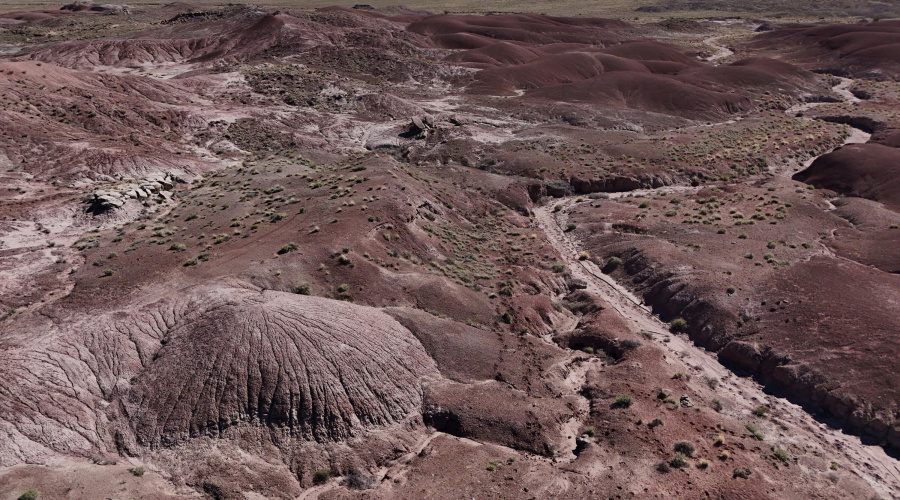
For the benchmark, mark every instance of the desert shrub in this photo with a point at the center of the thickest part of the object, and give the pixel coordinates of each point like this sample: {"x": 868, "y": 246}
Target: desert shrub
{"x": 720, "y": 440}
{"x": 178, "y": 247}
{"x": 730, "y": 290}
{"x": 834, "y": 466}
{"x": 655, "y": 423}
{"x": 771, "y": 245}
{"x": 742, "y": 236}
{"x": 558, "y": 267}
{"x": 29, "y": 494}
{"x": 622, "y": 401}
{"x": 753, "y": 430}
{"x": 663, "y": 467}
{"x": 630, "y": 344}
{"x": 712, "y": 382}
{"x": 721, "y": 230}
{"x": 742, "y": 472}
{"x": 702, "y": 463}
{"x": 343, "y": 259}
{"x": 724, "y": 455}
{"x": 678, "y": 461}
{"x": 686, "y": 448}
{"x": 760, "y": 411}
{"x": 108, "y": 272}
{"x": 780, "y": 454}
{"x": 190, "y": 262}
{"x": 612, "y": 264}
{"x": 571, "y": 226}
{"x": 588, "y": 349}
{"x": 357, "y": 480}
{"x": 321, "y": 476}
{"x": 678, "y": 325}
{"x": 557, "y": 208}
{"x": 717, "y": 404}
{"x": 644, "y": 204}
{"x": 302, "y": 289}
{"x": 290, "y": 247}
{"x": 589, "y": 431}
{"x": 137, "y": 471}
{"x": 584, "y": 256}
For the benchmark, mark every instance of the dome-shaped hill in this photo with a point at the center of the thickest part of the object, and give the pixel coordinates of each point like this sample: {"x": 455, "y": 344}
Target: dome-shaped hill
{"x": 647, "y": 92}
{"x": 869, "y": 171}
{"x": 317, "y": 368}
{"x": 551, "y": 70}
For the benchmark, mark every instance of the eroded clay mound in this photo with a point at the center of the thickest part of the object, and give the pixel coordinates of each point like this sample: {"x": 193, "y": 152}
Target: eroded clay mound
{"x": 866, "y": 170}
{"x": 318, "y": 368}
{"x": 864, "y": 47}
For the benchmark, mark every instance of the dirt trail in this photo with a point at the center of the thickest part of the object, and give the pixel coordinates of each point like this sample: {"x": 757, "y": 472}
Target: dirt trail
{"x": 721, "y": 51}
{"x": 869, "y": 462}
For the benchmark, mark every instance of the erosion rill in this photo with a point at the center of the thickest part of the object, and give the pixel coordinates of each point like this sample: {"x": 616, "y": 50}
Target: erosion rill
{"x": 376, "y": 252}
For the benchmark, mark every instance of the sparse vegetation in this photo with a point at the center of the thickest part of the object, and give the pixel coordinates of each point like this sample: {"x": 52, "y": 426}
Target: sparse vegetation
{"x": 742, "y": 472}
{"x": 678, "y": 325}
{"x": 290, "y": 247}
{"x": 761, "y": 411}
{"x": 612, "y": 264}
{"x": 754, "y": 431}
{"x": 29, "y": 494}
{"x": 686, "y": 448}
{"x": 321, "y": 476}
{"x": 137, "y": 471}
{"x": 678, "y": 461}
{"x": 623, "y": 401}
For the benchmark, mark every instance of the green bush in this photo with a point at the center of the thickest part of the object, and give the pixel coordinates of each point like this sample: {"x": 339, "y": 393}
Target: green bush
{"x": 558, "y": 267}
{"x": 290, "y": 247}
{"x": 761, "y": 411}
{"x": 30, "y": 494}
{"x": 137, "y": 471}
{"x": 756, "y": 432}
{"x": 678, "y": 461}
{"x": 742, "y": 472}
{"x": 571, "y": 226}
{"x": 686, "y": 448}
{"x": 678, "y": 325}
{"x": 611, "y": 265}
{"x": 623, "y": 401}
{"x": 321, "y": 476}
